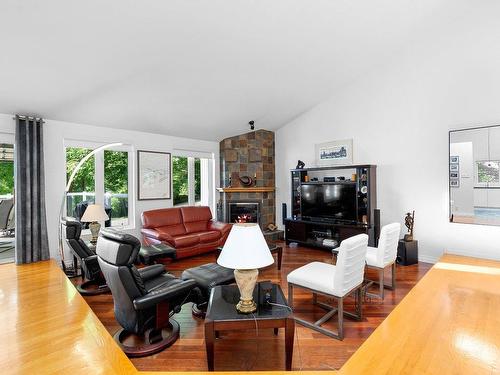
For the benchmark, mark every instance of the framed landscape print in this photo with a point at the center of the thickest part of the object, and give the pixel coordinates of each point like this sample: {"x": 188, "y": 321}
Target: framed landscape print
{"x": 334, "y": 153}
{"x": 153, "y": 175}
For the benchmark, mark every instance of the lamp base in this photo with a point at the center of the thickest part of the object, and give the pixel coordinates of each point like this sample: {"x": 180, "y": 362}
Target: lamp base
{"x": 94, "y": 227}
{"x": 246, "y": 279}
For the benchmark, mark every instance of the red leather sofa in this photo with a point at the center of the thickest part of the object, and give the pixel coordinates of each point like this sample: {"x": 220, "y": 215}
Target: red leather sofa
{"x": 190, "y": 230}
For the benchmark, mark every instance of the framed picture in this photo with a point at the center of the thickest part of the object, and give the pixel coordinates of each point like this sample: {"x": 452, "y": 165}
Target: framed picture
{"x": 454, "y": 159}
{"x": 455, "y": 183}
{"x": 454, "y": 175}
{"x": 454, "y": 168}
{"x": 153, "y": 175}
{"x": 334, "y": 153}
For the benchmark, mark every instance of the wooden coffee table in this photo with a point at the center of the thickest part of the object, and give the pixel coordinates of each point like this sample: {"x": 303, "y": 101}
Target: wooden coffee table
{"x": 222, "y": 316}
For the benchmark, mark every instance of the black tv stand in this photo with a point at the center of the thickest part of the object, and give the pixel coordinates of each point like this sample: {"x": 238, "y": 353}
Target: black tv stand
{"x": 312, "y": 231}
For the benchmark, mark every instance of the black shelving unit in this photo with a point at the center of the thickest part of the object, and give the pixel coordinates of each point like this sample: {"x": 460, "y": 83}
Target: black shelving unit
{"x": 312, "y": 231}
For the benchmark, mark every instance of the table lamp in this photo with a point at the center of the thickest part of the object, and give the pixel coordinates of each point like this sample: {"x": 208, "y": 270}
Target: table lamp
{"x": 93, "y": 214}
{"x": 245, "y": 251}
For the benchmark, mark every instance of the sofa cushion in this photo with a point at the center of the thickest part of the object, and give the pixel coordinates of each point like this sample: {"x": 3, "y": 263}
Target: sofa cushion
{"x": 171, "y": 230}
{"x": 209, "y": 236}
{"x": 196, "y": 219}
{"x": 186, "y": 240}
{"x": 161, "y": 218}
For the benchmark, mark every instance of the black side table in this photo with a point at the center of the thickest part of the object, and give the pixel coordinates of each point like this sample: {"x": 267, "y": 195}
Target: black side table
{"x": 223, "y": 316}
{"x": 407, "y": 252}
{"x": 150, "y": 254}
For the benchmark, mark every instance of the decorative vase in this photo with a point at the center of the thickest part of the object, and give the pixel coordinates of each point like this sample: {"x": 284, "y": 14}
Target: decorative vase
{"x": 94, "y": 227}
{"x": 246, "y": 279}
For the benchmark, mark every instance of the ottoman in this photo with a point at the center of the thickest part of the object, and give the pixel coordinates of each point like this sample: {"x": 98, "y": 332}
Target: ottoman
{"x": 150, "y": 254}
{"x": 207, "y": 276}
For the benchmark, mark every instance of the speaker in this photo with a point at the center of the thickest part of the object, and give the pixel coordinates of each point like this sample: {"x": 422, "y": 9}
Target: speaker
{"x": 283, "y": 212}
{"x": 376, "y": 225}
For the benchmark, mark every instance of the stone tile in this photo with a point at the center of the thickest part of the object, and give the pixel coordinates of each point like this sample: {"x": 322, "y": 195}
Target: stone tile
{"x": 254, "y": 154}
{"x": 230, "y": 155}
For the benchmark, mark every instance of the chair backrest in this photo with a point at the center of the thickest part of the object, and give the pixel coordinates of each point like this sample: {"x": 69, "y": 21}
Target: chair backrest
{"x": 168, "y": 219}
{"x": 350, "y": 267}
{"x": 6, "y": 206}
{"x": 388, "y": 243}
{"x": 117, "y": 253}
{"x": 196, "y": 218}
{"x": 76, "y": 244}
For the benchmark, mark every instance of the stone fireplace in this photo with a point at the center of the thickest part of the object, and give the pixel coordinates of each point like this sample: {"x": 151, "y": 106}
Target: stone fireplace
{"x": 245, "y": 156}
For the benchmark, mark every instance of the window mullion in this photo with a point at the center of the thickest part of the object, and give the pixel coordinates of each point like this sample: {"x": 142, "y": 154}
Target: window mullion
{"x": 191, "y": 181}
{"x": 99, "y": 178}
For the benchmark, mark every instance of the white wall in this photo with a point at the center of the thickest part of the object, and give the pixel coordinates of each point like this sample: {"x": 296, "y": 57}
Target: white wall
{"x": 55, "y": 132}
{"x": 399, "y": 116}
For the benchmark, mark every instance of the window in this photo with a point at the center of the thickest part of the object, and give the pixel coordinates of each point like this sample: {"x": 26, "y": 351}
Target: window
{"x": 191, "y": 180}
{"x": 116, "y": 186}
{"x": 488, "y": 172}
{"x": 103, "y": 179}
{"x": 82, "y": 190}
{"x": 180, "y": 180}
{"x": 7, "y": 209}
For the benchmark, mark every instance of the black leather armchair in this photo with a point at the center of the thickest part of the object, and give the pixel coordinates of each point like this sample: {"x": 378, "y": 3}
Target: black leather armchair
{"x": 92, "y": 279}
{"x": 144, "y": 299}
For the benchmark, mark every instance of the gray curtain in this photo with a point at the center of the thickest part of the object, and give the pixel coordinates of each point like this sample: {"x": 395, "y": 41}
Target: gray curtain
{"x": 31, "y": 222}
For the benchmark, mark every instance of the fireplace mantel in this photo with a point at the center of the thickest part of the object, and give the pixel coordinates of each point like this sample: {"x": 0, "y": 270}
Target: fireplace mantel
{"x": 246, "y": 189}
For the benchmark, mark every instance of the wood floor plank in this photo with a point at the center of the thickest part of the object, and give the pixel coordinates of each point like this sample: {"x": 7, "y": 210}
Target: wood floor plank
{"x": 245, "y": 351}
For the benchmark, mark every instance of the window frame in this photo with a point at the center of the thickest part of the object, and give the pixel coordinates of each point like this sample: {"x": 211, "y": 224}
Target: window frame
{"x": 99, "y": 177}
{"x": 207, "y": 171}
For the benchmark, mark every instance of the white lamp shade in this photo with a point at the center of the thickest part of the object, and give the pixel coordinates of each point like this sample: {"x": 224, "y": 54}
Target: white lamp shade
{"x": 94, "y": 212}
{"x": 245, "y": 248}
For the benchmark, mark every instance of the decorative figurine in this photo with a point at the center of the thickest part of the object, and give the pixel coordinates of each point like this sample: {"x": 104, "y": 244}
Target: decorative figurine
{"x": 246, "y": 180}
{"x": 409, "y": 221}
{"x": 300, "y": 164}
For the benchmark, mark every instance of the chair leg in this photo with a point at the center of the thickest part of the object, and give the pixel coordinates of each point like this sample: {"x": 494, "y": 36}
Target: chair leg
{"x": 315, "y": 298}
{"x": 381, "y": 283}
{"x": 359, "y": 307}
{"x": 290, "y": 296}
{"x": 341, "y": 317}
{"x": 394, "y": 275}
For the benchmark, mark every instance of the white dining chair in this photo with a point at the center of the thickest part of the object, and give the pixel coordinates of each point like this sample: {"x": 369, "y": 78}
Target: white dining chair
{"x": 384, "y": 256}
{"x": 334, "y": 281}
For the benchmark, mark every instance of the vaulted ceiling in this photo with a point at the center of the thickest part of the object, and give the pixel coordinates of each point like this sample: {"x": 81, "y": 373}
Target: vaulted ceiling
{"x": 199, "y": 69}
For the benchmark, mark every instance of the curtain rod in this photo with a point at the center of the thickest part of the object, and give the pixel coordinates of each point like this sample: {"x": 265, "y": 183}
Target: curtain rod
{"x": 29, "y": 118}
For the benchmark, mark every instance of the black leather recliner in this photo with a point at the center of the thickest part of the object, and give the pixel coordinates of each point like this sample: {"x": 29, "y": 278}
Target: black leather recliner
{"x": 93, "y": 280}
{"x": 145, "y": 298}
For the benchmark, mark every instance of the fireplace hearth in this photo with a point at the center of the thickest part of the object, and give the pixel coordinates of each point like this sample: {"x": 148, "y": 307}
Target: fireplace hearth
{"x": 243, "y": 212}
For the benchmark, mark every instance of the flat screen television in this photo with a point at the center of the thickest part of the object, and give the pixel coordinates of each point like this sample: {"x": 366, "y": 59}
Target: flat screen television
{"x": 329, "y": 201}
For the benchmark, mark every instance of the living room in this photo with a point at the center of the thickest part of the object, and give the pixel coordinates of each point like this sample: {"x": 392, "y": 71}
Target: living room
{"x": 203, "y": 117}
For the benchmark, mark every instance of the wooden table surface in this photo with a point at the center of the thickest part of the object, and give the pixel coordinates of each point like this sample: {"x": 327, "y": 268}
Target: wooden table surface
{"x": 448, "y": 324}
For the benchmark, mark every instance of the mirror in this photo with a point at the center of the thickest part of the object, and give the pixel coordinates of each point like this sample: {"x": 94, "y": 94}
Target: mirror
{"x": 474, "y": 175}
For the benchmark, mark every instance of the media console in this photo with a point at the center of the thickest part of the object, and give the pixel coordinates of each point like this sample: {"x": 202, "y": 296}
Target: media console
{"x": 331, "y": 204}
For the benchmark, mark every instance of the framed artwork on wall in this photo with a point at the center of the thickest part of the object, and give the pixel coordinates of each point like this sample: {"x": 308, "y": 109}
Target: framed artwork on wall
{"x": 153, "y": 175}
{"x": 334, "y": 153}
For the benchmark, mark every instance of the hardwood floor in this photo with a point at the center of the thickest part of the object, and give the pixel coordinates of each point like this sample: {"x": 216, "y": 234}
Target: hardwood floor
{"x": 251, "y": 350}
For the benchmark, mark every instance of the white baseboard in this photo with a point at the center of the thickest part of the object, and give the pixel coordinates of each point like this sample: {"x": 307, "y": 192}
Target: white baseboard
{"x": 476, "y": 254}
{"x": 428, "y": 259}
